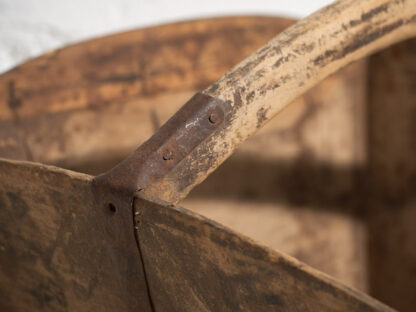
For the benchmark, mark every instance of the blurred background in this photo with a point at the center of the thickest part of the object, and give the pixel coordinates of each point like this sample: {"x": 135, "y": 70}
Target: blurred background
{"x": 29, "y": 28}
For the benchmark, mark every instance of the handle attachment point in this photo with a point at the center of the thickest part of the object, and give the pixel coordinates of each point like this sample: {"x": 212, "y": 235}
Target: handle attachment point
{"x": 201, "y": 116}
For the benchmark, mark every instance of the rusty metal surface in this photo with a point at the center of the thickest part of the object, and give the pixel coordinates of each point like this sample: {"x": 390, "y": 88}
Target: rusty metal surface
{"x": 191, "y": 125}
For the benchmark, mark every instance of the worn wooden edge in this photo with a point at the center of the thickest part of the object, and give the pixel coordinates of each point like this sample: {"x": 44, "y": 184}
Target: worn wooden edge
{"x": 35, "y": 166}
{"x": 170, "y": 237}
{"x": 17, "y": 83}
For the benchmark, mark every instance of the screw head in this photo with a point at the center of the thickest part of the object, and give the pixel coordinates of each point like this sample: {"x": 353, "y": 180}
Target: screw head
{"x": 213, "y": 117}
{"x": 167, "y": 155}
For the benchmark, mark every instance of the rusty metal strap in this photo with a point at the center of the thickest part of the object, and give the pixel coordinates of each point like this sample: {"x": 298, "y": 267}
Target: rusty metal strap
{"x": 193, "y": 123}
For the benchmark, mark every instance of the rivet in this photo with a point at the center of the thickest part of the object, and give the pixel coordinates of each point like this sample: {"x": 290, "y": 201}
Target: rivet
{"x": 213, "y": 117}
{"x": 136, "y": 227}
{"x": 167, "y": 155}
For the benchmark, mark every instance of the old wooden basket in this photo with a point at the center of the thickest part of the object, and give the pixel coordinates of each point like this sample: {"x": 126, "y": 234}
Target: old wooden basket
{"x": 330, "y": 181}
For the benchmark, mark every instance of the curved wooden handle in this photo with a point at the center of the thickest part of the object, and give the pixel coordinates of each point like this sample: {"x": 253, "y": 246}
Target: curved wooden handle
{"x": 259, "y": 87}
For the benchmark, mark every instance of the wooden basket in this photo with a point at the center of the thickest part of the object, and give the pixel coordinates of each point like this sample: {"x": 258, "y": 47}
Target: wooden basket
{"x": 329, "y": 181}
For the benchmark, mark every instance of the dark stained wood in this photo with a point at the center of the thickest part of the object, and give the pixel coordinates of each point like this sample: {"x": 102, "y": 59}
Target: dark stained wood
{"x": 58, "y": 252}
{"x": 392, "y": 165}
{"x": 195, "y": 264}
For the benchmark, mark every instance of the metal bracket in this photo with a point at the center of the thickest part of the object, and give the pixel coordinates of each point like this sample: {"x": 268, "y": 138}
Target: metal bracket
{"x": 193, "y": 123}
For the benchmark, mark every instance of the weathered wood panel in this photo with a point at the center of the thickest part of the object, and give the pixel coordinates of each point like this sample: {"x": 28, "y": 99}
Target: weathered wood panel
{"x": 58, "y": 252}
{"x": 326, "y": 239}
{"x": 392, "y": 146}
{"x": 120, "y": 88}
{"x": 194, "y": 264}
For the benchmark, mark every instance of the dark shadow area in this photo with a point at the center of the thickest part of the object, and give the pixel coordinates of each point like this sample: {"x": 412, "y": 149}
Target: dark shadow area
{"x": 298, "y": 182}
{"x": 96, "y": 165}
{"x": 391, "y": 223}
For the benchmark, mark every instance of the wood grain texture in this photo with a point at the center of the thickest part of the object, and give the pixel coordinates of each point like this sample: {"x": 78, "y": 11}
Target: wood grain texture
{"x": 194, "y": 264}
{"x": 290, "y": 64}
{"x": 298, "y": 231}
{"x": 66, "y": 103}
{"x": 58, "y": 251}
{"x": 392, "y": 166}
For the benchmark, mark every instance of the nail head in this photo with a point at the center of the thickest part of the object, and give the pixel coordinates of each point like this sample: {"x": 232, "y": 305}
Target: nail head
{"x": 213, "y": 117}
{"x": 167, "y": 155}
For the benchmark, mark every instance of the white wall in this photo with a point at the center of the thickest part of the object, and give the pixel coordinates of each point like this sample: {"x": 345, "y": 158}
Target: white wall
{"x": 31, "y": 27}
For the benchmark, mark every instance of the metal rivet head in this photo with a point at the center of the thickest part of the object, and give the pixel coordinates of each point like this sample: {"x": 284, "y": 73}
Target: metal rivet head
{"x": 213, "y": 117}
{"x": 167, "y": 155}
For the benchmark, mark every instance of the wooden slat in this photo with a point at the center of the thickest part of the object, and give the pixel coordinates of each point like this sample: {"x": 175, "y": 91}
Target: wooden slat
{"x": 58, "y": 252}
{"x": 392, "y": 168}
{"x": 194, "y": 264}
{"x": 67, "y": 102}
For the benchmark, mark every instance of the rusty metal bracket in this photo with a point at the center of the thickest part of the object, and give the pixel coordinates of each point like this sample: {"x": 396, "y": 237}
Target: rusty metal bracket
{"x": 193, "y": 123}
